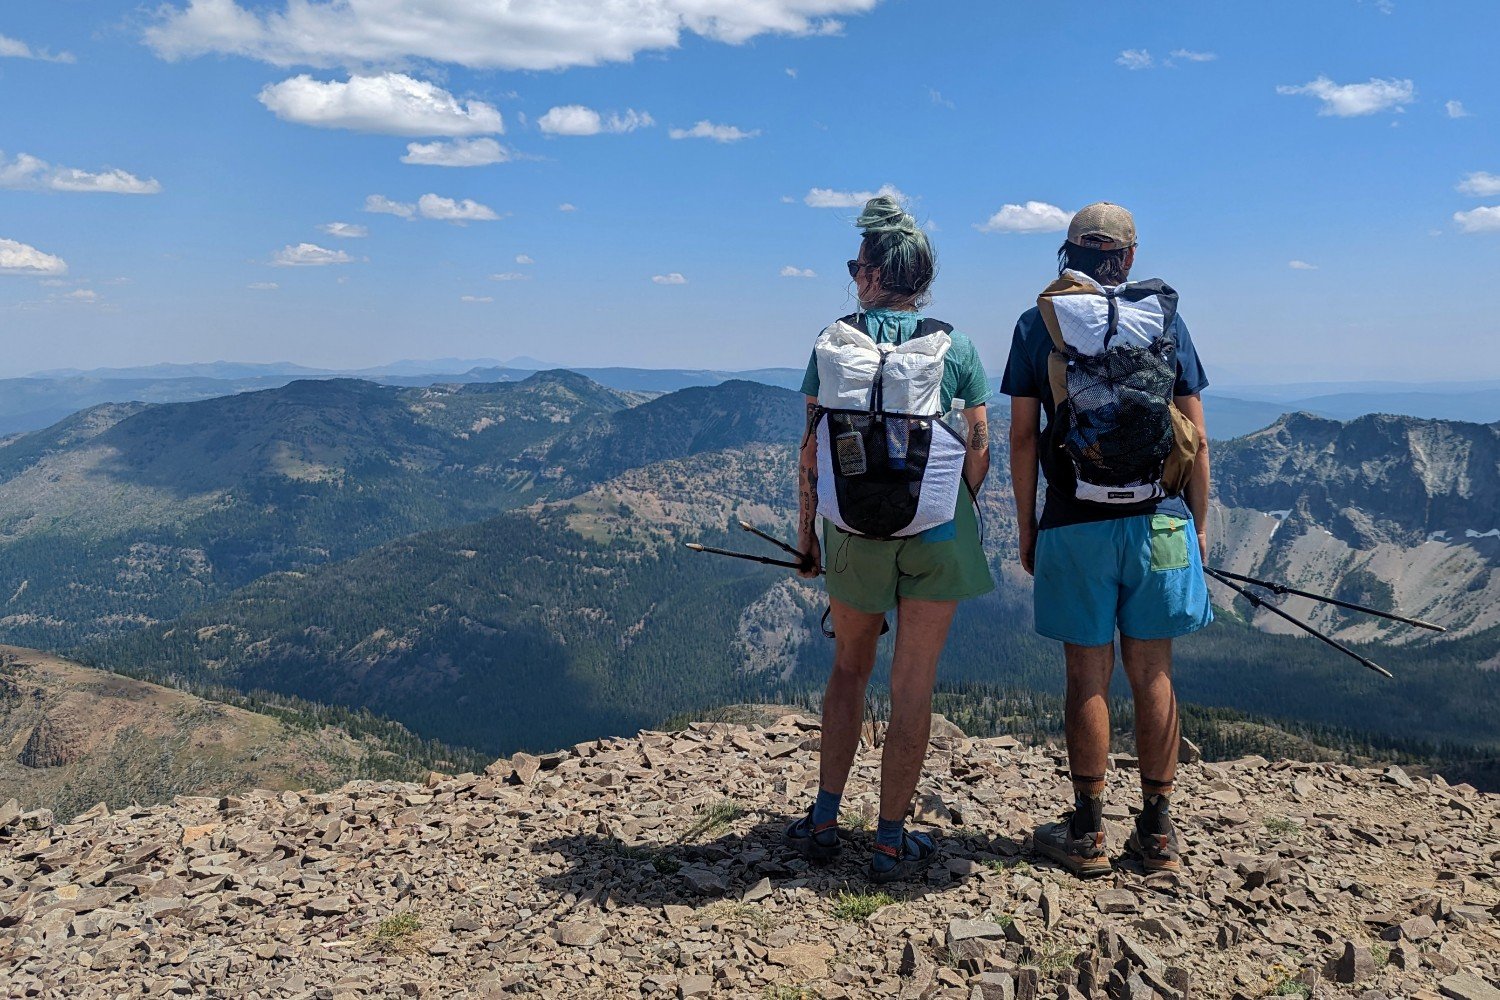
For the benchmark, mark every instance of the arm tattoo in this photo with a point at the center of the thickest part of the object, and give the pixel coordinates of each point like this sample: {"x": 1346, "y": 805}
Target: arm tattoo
{"x": 808, "y": 487}
{"x": 979, "y": 437}
{"x": 808, "y": 501}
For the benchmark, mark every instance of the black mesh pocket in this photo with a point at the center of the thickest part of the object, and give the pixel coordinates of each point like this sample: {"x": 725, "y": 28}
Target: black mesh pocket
{"x": 1119, "y": 426}
{"x": 883, "y": 498}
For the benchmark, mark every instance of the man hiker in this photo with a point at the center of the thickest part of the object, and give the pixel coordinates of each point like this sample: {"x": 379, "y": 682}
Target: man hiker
{"x": 1122, "y": 538}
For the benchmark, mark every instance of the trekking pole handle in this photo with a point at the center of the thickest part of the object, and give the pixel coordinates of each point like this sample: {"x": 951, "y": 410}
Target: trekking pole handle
{"x": 767, "y": 560}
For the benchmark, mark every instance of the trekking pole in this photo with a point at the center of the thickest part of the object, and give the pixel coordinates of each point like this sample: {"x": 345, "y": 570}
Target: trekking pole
{"x": 1260, "y": 602}
{"x": 773, "y": 540}
{"x": 1283, "y": 589}
{"x": 746, "y": 555}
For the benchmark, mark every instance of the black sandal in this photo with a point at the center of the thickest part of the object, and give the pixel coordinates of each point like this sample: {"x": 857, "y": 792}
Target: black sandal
{"x": 916, "y": 853}
{"x": 813, "y": 842}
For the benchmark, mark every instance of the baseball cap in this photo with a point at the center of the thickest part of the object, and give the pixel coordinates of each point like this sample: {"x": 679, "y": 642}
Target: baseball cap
{"x": 1102, "y": 226}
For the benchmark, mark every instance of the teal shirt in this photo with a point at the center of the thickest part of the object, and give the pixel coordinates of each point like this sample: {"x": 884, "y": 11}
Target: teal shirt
{"x": 963, "y": 372}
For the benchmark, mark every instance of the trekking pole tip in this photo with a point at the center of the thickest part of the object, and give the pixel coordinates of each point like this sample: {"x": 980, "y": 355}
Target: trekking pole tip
{"x": 694, "y": 546}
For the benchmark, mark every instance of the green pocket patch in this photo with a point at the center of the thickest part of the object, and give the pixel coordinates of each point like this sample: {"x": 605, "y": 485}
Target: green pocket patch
{"x": 1169, "y": 542}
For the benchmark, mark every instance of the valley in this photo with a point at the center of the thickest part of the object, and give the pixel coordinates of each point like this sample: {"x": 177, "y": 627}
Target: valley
{"x": 500, "y": 566}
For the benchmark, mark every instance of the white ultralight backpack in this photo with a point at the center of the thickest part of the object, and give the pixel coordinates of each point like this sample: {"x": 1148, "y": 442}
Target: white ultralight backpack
{"x": 888, "y": 466}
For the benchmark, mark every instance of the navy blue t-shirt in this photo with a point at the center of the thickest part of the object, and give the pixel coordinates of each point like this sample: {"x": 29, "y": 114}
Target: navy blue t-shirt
{"x": 1026, "y": 376}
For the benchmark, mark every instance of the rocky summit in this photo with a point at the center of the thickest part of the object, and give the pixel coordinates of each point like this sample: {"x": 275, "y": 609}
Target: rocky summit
{"x": 653, "y": 867}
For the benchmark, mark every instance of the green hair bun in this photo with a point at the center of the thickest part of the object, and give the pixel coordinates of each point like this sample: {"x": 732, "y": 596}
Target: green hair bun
{"x": 884, "y": 215}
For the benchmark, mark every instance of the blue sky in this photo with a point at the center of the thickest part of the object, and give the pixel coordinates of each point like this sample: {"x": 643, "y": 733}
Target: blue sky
{"x": 163, "y": 166}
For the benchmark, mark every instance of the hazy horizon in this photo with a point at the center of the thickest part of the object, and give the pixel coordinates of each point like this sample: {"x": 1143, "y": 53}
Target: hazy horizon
{"x": 336, "y": 184}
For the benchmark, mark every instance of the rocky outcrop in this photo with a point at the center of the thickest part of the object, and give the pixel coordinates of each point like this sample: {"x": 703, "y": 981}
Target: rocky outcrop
{"x": 652, "y": 867}
{"x": 52, "y": 743}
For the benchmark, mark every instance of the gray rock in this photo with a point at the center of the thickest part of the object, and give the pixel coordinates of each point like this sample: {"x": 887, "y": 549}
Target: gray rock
{"x": 1188, "y": 752}
{"x": 759, "y": 890}
{"x": 579, "y": 933}
{"x": 966, "y": 930}
{"x": 1396, "y": 776}
{"x": 1466, "y": 986}
{"x": 1355, "y": 965}
{"x": 695, "y": 986}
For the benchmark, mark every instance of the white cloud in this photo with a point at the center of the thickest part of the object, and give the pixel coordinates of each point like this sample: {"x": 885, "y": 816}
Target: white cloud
{"x": 510, "y": 276}
{"x": 22, "y": 258}
{"x": 1351, "y": 100}
{"x": 1190, "y": 56}
{"x": 458, "y": 153}
{"x": 791, "y": 72}
{"x": 669, "y": 279}
{"x": 1135, "y": 59}
{"x": 459, "y": 212}
{"x": 308, "y": 255}
{"x": 1485, "y": 219}
{"x": 389, "y": 104}
{"x": 382, "y": 205}
{"x": 476, "y": 298}
{"x": 567, "y": 206}
{"x": 432, "y": 206}
{"x": 575, "y": 119}
{"x": 523, "y": 258}
{"x": 937, "y": 98}
{"x": 83, "y": 295}
{"x": 481, "y": 34}
{"x": 791, "y": 271}
{"x": 345, "y": 230}
{"x": 829, "y": 198}
{"x": 1456, "y": 109}
{"x": 263, "y": 286}
{"x": 14, "y": 48}
{"x": 1032, "y": 217}
{"x": 1480, "y": 184}
{"x": 27, "y": 172}
{"x": 1301, "y": 265}
{"x": 718, "y": 133}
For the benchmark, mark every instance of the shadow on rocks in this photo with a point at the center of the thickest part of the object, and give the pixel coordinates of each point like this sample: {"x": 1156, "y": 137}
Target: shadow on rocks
{"x": 745, "y": 864}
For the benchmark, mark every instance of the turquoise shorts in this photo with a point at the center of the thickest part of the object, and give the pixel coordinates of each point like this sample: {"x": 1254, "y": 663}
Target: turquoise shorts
{"x": 1141, "y": 575}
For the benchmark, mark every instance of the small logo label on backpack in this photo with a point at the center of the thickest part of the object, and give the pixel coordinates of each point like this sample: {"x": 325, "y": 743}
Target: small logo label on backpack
{"x": 1119, "y": 495}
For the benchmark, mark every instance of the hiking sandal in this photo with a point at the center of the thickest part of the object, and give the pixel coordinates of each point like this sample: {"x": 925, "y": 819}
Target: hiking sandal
{"x": 891, "y": 864}
{"x": 815, "y": 843}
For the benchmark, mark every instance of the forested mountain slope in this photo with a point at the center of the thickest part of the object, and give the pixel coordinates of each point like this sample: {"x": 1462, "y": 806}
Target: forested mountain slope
{"x": 125, "y": 515}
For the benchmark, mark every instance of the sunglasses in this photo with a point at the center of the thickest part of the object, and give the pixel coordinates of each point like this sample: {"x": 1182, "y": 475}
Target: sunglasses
{"x": 856, "y": 266}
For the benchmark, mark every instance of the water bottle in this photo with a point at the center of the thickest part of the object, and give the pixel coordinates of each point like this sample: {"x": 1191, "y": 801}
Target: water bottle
{"x": 955, "y": 418}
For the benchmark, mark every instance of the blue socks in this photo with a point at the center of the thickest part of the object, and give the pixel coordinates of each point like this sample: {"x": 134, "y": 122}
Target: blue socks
{"x": 888, "y": 833}
{"x": 826, "y": 808}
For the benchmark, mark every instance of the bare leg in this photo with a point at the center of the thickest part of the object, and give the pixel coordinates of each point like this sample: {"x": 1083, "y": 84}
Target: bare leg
{"x": 844, "y": 699}
{"x": 921, "y": 631}
{"x": 1087, "y": 713}
{"x": 1148, "y": 667}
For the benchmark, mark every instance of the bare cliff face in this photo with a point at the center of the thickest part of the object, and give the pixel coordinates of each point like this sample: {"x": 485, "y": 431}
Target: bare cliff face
{"x": 1376, "y": 479}
{"x": 1394, "y": 512}
{"x": 652, "y": 866}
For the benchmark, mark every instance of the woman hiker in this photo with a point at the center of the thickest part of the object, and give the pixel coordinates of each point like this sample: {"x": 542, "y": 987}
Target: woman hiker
{"x": 923, "y": 577}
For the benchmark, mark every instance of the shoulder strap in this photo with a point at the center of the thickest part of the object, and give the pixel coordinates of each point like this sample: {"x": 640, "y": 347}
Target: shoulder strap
{"x": 929, "y": 325}
{"x": 856, "y": 320}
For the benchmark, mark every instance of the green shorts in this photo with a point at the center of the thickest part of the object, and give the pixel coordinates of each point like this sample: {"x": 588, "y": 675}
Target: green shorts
{"x": 946, "y": 563}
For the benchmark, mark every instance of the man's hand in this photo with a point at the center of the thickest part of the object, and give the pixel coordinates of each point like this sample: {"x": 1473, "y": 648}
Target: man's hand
{"x": 1203, "y": 544}
{"x": 812, "y": 566}
{"x": 1028, "y": 546}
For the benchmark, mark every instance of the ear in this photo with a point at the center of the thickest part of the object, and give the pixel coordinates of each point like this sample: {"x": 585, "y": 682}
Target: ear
{"x": 1129, "y": 259}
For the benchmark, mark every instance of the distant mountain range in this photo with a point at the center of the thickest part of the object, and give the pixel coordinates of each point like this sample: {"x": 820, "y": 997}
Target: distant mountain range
{"x": 500, "y": 564}
{"x": 44, "y": 398}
